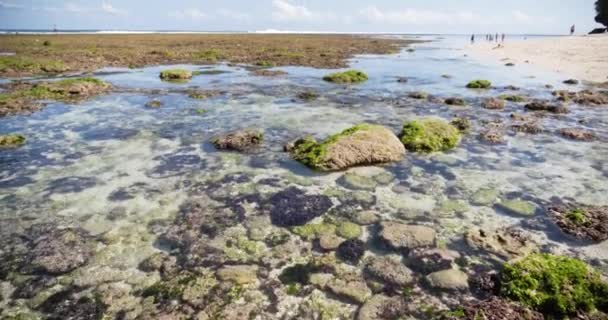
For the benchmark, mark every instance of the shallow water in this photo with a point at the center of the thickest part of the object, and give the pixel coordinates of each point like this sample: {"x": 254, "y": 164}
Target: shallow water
{"x": 116, "y": 168}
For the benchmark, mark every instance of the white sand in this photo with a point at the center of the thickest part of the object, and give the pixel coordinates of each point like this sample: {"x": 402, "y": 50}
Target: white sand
{"x": 582, "y": 58}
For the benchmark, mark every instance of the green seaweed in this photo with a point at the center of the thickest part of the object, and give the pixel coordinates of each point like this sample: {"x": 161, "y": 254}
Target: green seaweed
{"x": 210, "y": 55}
{"x": 479, "y": 84}
{"x": 11, "y": 141}
{"x": 512, "y": 98}
{"x": 577, "y": 216}
{"x": 24, "y": 64}
{"x": 554, "y": 285}
{"x": 175, "y": 74}
{"x": 313, "y": 230}
{"x": 429, "y": 135}
{"x": 350, "y": 76}
{"x": 348, "y": 230}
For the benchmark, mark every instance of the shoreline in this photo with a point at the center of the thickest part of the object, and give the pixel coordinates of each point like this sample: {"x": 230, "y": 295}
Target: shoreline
{"x": 584, "y": 58}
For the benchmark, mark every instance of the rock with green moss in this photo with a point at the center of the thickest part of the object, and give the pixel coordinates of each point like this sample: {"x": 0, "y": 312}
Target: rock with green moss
{"x": 239, "y": 274}
{"x": 364, "y": 144}
{"x": 557, "y": 286}
{"x": 314, "y": 230}
{"x": 175, "y": 75}
{"x": 350, "y": 76}
{"x": 348, "y": 230}
{"x": 418, "y": 95}
{"x": 358, "y": 182}
{"x": 517, "y": 207}
{"x": 584, "y": 222}
{"x": 479, "y": 84}
{"x": 485, "y": 196}
{"x": 429, "y": 135}
{"x": 463, "y": 124}
{"x": 8, "y": 141}
{"x": 512, "y": 97}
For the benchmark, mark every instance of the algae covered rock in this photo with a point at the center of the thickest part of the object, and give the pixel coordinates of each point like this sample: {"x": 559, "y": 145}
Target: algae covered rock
{"x": 240, "y": 274}
{"x": 241, "y": 140}
{"x": 557, "y": 286}
{"x": 389, "y": 270}
{"x": 517, "y": 207}
{"x": 399, "y": 235}
{"x": 351, "y": 250}
{"x": 583, "y": 222}
{"x": 350, "y": 76}
{"x": 479, "y": 84}
{"x": 504, "y": 243}
{"x": 449, "y": 280}
{"x": 364, "y": 144}
{"x": 348, "y": 230}
{"x": 175, "y": 75}
{"x": 493, "y": 308}
{"x": 493, "y": 104}
{"x": 429, "y": 135}
{"x": 9, "y": 141}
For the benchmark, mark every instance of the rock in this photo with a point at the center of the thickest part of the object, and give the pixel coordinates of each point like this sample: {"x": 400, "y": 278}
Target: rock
{"x": 449, "y": 280}
{"x": 203, "y": 94}
{"x": 598, "y": 31}
{"x": 269, "y": 73}
{"x": 493, "y": 308}
{"x": 356, "y": 291}
{"x": 59, "y": 251}
{"x": 510, "y": 64}
{"x": 399, "y": 235}
{"x": 485, "y": 197}
{"x": 530, "y": 127}
{"x": 329, "y": 242}
{"x": 429, "y": 135}
{"x": 453, "y": 101}
{"x": 494, "y": 104}
{"x": 479, "y": 84}
{"x": 8, "y": 141}
{"x": 571, "y": 81}
{"x": 512, "y": 98}
{"x": 154, "y": 104}
{"x": 242, "y": 140}
{"x": 389, "y": 270}
{"x": 176, "y": 74}
{"x": 358, "y": 182}
{"x": 493, "y": 136}
{"x": 577, "y": 134}
{"x": 293, "y": 207}
{"x": 312, "y": 231}
{"x": 308, "y": 95}
{"x": 350, "y": 76}
{"x": 517, "y": 207}
{"x": 321, "y": 279}
{"x": 542, "y": 105}
{"x": 428, "y": 261}
{"x": 504, "y": 243}
{"x": 583, "y": 222}
{"x": 348, "y": 230}
{"x": 351, "y": 250}
{"x": 365, "y": 218}
{"x": 364, "y": 144}
{"x": 402, "y": 79}
{"x": 239, "y": 274}
{"x": 462, "y": 124}
{"x": 420, "y": 95}
{"x": 381, "y": 307}
{"x": 451, "y": 207}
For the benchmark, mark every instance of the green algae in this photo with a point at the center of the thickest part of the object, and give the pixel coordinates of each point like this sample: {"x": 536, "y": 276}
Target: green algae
{"x": 314, "y": 230}
{"x": 24, "y": 64}
{"x": 350, "y": 76}
{"x": 479, "y": 84}
{"x": 512, "y": 98}
{"x": 555, "y": 285}
{"x": 429, "y": 135}
{"x": 577, "y": 216}
{"x": 348, "y": 230}
{"x": 175, "y": 74}
{"x": 517, "y": 207}
{"x": 210, "y": 55}
{"x": 11, "y": 141}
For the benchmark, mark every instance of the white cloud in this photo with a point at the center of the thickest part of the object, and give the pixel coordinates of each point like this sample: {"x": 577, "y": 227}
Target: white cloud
{"x": 418, "y": 17}
{"x": 5, "y": 5}
{"x": 284, "y": 10}
{"x": 191, "y": 13}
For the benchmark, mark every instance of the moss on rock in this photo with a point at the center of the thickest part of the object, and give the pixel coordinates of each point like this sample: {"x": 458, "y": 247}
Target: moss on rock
{"x": 555, "y": 285}
{"x": 479, "y": 84}
{"x": 429, "y": 135}
{"x": 350, "y": 76}
{"x": 11, "y": 141}
{"x": 175, "y": 74}
{"x": 313, "y": 230}
{"x": 348, "y": 230}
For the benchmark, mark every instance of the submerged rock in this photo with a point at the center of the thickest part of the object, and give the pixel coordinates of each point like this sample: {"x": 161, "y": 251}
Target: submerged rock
{"x": 153, "y": 104}
{"x": 356, "y": 291}
{"x": 517, "y": 207}
{"x": 493, "y": 136}
{"x": 530, "y": 127}
{"x": 504, "y": 243}
{"x": 577, "y": 134}
{"x": 351, "y": 250}
{"x": 269, "y": 73}
{"x": 543, "y": 105}
{"x": 479, "y": 84}
{"x": 449, "y": 280}
{"x": 493, "y": 104}
{"x": 493, "y": 308}
{"x": 308, "y": 95}
{"x": 175, "y": 74}
{"x": 240, "y": 274}
{"x": 358, "y": 182}
{"x": 463, "y": 124}
{"x": 68, "y": 305}
{"x": 381, "y": 307}
{"x": 293, "y": 207}
{"x": 583, "y": 222}
{"x": 406, "y": 236}
{"x": 9, "y": 141}
{"x": 389, "y": 270}
{"x": 364, "y": 144}
{"x": 429, "y": 135}
{"x": 427, "y": 261}
{"x": 453, "y": 101}
{"x": 242, "y": 140}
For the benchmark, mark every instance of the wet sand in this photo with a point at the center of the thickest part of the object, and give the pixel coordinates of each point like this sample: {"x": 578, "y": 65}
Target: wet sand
{"x": 583, "y": 58}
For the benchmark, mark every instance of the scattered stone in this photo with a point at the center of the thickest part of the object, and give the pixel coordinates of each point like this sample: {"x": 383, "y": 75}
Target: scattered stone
{"x": 154, "y": 104}
{"x": 348, "y": 230}
{"x": 9, "y": 141}
{"x": 242, "y": 140}
{"x": 512, "y": 98}
{"x": 350, "y": 76}
{"x": 453, "y": 101}
{"x": 329, "y": 242}
{"x": 381, "y": 307}
{"x": 389, "y": 270}
{"x": 293, "y": 207}
{"x": 175, "y": 74}
{"x": 479, "y": 84}
{"x": 351, "y": 250}
{"x": 505, "y": 243}
{"x": 358, "y": 182}
{"x": 364, "y": 144}
{"x": 485, "y": 197}
{"x": 493, "y": 104}
{"x": 493, "y": 308}
{"x": 399, "y": 235}
{"x": 530, "y": 127}
{"x": 427, "y": 261}
{"x": 493, "y": 136}
{"x": 356, "y": 291}
{"x": 429, "y": 135}
{"x": 577, "y": 134}
{"x": 583, "y": 222}
{"x": 269, "y": 73}
{"x": 420, "y": 95}
{"x": 571, "y": 81}
{"x": 203, "y": 94}
{"x": 517, "y": 207}
{"x": 449, "y": 280}
{"x": 240, "y": 274}
{"x": 462, "y": 124}
{"x": 543, "y": 105}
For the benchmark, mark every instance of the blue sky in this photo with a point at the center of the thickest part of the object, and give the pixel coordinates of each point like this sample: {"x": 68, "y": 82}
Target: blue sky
{"x": 413, "y": 16}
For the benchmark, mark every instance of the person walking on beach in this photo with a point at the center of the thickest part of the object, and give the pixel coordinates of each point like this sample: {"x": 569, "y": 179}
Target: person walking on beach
{"x": 473, "y": 39}
{"x": 497, "y": 37}
{"x": 503, "y": 38}
{"x": 572, "y": 29}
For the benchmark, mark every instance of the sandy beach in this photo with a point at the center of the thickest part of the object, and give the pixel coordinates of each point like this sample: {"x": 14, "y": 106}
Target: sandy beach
{"x": 583, "y": 58}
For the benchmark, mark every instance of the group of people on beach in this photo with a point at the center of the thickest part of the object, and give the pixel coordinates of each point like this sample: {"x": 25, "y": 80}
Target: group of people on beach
{"x": 491, "y": 38}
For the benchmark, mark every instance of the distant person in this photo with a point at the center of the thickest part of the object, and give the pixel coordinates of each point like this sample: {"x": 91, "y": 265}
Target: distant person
{"x": 572, "y": 29}
{"x": 503, "y": 37}
{"x": 473, "y": 39}
{"x": 497, "y": 37}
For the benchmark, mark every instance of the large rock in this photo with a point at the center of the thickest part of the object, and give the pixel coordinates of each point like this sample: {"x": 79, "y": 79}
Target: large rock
{"x": 429, "y": 135}
{"x": 407, "y": 236}
{"x": 504, "y": 243}
{"x": 242, "y": 140}
{"x": 449, "y": 280}
{"x": 364, "y": 144}
{"x": 428, "y": 261}
{"x": 389, "y": 270}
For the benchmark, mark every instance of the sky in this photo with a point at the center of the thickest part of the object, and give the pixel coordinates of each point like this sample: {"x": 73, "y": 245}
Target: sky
{"x": 403, "y": 16}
